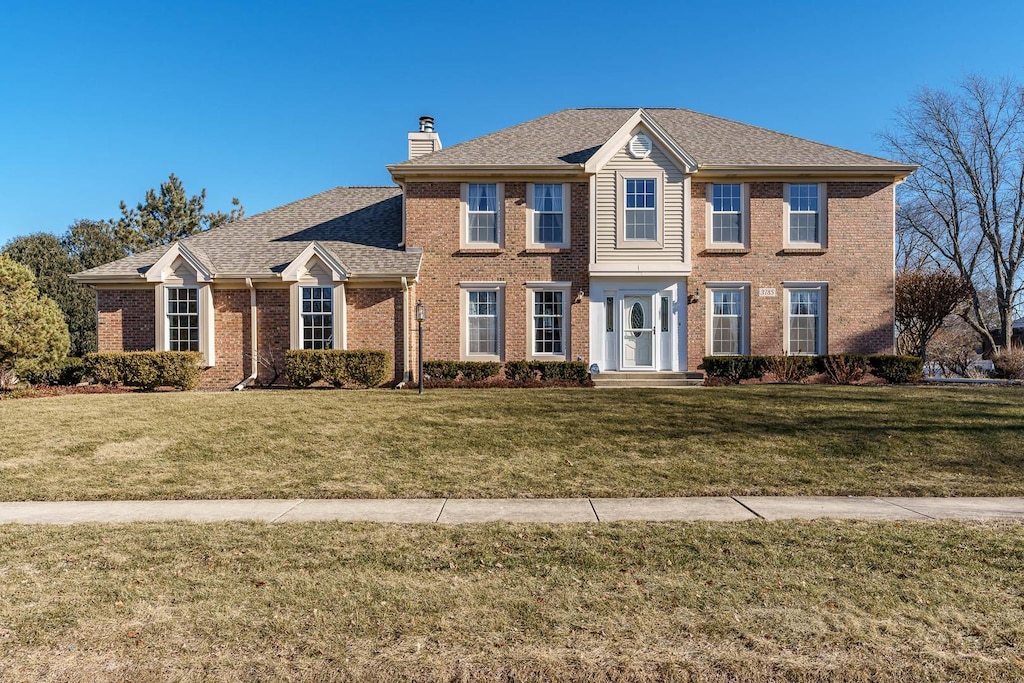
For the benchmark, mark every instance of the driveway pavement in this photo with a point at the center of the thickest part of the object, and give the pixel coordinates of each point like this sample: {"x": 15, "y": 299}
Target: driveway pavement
{"x": 558, "y": 510}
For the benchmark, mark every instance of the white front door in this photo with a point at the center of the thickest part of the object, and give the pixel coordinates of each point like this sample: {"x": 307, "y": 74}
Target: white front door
{"x": 638, "y": 325}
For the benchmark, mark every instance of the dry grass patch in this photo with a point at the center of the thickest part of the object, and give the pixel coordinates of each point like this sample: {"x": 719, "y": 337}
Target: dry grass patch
{"x": 748, "y": 440}
{"x": 744, "y": 601}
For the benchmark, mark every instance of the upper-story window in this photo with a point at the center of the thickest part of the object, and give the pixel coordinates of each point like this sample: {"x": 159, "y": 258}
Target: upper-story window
{"x": 641, "y": 212}
{"x": 727, "y": 217}
{"x": 182, "y": 318}
{"x": 805, "y": 214}
{"x": 482, "y": 213}
{"x": 548, "y": 204}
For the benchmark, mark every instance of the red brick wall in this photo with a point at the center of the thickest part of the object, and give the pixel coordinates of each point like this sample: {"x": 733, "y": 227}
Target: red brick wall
{"x": 857, "y": 265}
{"x": 232, "y": 312}
{"x": 272, "y": 331}
{"x": 126, "y": 320}
{"x": 374, "y": 321}
{"x": 432, "y": 222}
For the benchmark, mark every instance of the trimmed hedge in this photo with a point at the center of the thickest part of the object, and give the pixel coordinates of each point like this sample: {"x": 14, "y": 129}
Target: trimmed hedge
{"x": 338, "y": 368}
{"x": 520, "y": 371}
{"x": 67, "y": 372}
{"x": 897, "y": 369}
{"x": 146, "y": 369}
{"x": 843, "y": 368}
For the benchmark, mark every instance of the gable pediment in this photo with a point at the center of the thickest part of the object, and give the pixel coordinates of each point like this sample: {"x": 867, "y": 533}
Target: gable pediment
{"x": 179, "y": 263}
{"x": 638, "y": 132}
{"x": 315, "y": 262}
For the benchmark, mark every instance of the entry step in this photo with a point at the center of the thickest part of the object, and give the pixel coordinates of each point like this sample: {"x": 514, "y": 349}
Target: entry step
{"x": 648, "y": 379}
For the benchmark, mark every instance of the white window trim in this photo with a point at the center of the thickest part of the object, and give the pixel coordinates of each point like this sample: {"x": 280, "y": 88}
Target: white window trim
{"x": 464, "y": 243}
{"x": 565, "y": 287}
{"x": 464, "y": 289}
{"x": 709, "y": 311}
{"x": 822, "y": 287}
{"x": 822, "y": 242}
{"x": 709, "y": 212}
{"x": 339, "y": 313}
{"x": 620, "y": 200}
{"x": 204, "y": 298}
{"x": 531, "y": 243}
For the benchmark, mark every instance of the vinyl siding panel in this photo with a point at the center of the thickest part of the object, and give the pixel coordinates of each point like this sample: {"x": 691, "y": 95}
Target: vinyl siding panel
{"x": 607, "y": 218}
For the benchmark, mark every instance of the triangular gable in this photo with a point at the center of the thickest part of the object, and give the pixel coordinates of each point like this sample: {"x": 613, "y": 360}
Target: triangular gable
{"x": 299, "y": 266}
{"x": 685, "y": 162}
{"x": 173, "y": 253}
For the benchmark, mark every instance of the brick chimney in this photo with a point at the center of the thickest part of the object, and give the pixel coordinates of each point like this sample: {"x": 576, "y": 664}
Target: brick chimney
{"x": 424, "y": 140}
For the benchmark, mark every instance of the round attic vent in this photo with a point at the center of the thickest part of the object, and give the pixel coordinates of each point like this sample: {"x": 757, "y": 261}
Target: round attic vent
{"x": 640, "y": 146}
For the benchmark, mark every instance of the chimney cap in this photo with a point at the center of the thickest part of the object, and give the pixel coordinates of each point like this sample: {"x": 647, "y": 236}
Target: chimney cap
{"x": 426, "y": 124}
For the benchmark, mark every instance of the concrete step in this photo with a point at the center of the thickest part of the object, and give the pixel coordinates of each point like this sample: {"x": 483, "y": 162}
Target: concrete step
{"x": 609, "y": 380}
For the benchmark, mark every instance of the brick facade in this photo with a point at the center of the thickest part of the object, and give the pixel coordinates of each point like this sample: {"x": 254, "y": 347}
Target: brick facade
{"x": 433, "y": 223}
{"x": 857, "y": 265}
{"x": 126, "y": 319}
{"x": 233, "y": 339}
{"x": 375, "y": 322}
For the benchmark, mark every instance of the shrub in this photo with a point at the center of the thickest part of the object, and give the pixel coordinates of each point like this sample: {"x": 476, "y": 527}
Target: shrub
{"x": 554, "y": 371}
{"x": 473, "y": 371}
{"x": 791, "y": 368}
{"x": 441, "y": 369}
{"x": 519, "y": 371}
{"x": 339, "y": 368}
{"x": 844, "y": 368}
{"x": 897, "y": 369}
{"x": 146, "y": 369}
{"x": 66, "y": 373}
{"x": 1009, "y": 363}
{"x": 733, "y": 369}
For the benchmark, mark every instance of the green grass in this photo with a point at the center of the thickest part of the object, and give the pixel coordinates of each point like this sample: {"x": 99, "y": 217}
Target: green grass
{"x": 505, "y": 443}
{"x": 745, "y": 601}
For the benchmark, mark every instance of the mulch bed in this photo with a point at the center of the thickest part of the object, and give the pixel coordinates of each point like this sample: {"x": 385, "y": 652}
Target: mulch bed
{"x": 44, "y": 391}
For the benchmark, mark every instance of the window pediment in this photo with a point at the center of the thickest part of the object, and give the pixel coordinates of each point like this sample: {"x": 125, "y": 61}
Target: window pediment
{"x": 315, "y": 263}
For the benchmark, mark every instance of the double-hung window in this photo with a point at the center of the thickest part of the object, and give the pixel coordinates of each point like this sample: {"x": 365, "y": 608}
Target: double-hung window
{"x": 805, "y": 214}
{"x": 805, "y": 320}
{"x": 641, "y": 209}
{"x": 727, "y": 321}
{"x": 548, "y": 205}
{"x": 482, "y": 218}
{"x": 317, "y": 318}
{"x": 482, "y": 323}
{"x": 727, "y": 215}
{"x": 182, "y": 318}
{"x": 548, "y": 322}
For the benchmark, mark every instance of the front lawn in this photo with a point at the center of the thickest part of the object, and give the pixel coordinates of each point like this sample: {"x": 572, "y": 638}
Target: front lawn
{"x": 751, "y": 601}
{"x": 774, "y": 440}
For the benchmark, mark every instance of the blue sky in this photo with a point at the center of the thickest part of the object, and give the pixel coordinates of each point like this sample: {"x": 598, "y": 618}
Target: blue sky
{"x": 272, "y": 101}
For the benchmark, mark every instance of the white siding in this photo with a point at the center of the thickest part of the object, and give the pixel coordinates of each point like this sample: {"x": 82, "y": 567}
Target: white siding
{"x": 672, "y": 222}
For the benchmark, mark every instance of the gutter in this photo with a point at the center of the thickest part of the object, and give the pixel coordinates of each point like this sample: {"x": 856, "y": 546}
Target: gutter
{"x": 253, "y": 339}
{"x": 405, "y": 331}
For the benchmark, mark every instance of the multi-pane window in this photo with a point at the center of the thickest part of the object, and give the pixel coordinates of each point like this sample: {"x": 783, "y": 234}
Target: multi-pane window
{"x": 548, "y": 214}
{"x": 317, "y": 318}
{"x": 482, "y": 319}
{"x": 482, "y": 213}
{"x": 182, "y": 318}
{"x": 804, "y": 214}
{"x": 548, "y": 322}
{"x": 726, "y": 322}
{"x": 641, "y": 213}
{"x": 727, "y": 213}
{"x": 804, "y": 321}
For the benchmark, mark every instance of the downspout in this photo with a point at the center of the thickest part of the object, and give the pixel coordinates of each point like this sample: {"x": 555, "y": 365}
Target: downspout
{"x": 252, "y": 334}
{"x": 405, "y": 329}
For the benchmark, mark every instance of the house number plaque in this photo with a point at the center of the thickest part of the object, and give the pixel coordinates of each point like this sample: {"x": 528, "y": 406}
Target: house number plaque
{"x": 766, "y": 291}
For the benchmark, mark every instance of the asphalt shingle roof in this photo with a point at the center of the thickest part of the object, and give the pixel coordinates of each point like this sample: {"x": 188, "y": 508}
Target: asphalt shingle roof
{"x": 572, "y": 136}
{"x": 360, "y": 226}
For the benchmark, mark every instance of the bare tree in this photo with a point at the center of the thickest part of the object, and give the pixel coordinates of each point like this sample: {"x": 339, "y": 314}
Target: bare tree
{"x": 964, "y": 207}
{"x": 923, "y": 302}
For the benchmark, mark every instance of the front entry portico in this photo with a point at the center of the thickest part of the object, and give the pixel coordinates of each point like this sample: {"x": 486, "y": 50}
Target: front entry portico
{"x": 638, "y": 325}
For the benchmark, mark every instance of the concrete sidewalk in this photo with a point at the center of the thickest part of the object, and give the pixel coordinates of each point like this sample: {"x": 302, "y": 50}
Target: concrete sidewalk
{"x": 560, "y": 510}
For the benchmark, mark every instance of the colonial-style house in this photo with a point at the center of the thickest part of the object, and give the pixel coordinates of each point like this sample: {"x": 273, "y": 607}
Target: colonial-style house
{"x": 637, "y": 240}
